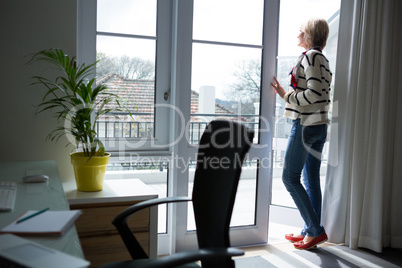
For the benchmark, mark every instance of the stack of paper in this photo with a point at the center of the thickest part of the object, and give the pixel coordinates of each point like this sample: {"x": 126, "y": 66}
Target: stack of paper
{"x": 46, "y": 223}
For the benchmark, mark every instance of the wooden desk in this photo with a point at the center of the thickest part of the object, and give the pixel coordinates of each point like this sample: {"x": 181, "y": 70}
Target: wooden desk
{"x": 100, "y": 240}
{"x": 37, "y": 196}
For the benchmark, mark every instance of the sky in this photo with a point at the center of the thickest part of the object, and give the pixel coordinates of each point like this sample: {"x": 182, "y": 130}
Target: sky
{"x": 236, "y": 21}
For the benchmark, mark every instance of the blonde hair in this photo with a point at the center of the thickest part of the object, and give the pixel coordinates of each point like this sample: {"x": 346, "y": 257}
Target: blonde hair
{"x": 316, "y": 32}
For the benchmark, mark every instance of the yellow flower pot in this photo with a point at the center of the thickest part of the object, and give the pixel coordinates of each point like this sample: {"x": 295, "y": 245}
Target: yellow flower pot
{"x": 89, "y": 175}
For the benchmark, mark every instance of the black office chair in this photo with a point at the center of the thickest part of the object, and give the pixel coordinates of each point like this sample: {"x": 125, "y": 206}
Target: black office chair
{"x": 222, "y": 149}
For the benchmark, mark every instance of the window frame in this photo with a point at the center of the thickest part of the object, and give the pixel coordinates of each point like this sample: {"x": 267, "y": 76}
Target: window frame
{"x": 86, "y": 42}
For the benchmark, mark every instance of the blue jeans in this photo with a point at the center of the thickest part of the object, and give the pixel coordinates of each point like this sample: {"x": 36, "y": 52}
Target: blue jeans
{"x": 303, "y": 154}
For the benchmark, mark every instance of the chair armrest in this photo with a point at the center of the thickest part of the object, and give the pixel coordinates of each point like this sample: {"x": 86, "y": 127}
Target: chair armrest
{"x": 120, "y": 222}
{"x": 146, "y": 204}
{"x": 192, "y": 256}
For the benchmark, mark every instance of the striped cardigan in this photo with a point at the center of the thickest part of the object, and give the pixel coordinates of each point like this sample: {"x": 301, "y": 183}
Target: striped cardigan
{"x": 310, "y": 100}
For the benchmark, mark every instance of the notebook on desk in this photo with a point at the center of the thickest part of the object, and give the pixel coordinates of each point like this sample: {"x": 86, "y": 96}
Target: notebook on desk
{"x": 46, "y": 223}
{"x": 17, "y": 250}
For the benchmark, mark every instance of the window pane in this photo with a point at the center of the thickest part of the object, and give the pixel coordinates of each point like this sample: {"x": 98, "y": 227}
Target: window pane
{"x": 245, "y": 203}
{"x": 244, "y": 207}
{"x": 143, "y": 49}
{"x": 127, "y": 16}
{"x": 127, "y": 68}
{"x": 234, "y": 21}
{"x": 225, "y": 84}
{"x": 292, "y": 15}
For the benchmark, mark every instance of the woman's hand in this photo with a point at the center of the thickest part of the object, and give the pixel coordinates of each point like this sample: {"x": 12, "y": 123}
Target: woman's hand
{"x": 278, "y": 88}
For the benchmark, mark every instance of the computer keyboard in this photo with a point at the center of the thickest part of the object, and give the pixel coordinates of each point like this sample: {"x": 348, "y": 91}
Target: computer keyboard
{"x": 8, "y": 191}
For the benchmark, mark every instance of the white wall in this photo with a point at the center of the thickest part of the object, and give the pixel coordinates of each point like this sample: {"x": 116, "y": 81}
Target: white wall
{"x": 29, "y": 26}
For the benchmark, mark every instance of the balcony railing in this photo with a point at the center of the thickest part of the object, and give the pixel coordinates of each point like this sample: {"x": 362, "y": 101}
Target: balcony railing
{"x": 139, "y": 129}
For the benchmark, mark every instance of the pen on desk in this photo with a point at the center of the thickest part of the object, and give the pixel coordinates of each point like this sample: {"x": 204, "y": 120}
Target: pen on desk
{"x": 32, "y": 215}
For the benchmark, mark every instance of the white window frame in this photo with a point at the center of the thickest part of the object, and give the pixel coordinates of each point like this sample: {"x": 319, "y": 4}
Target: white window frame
{"x": 122, "y": 148}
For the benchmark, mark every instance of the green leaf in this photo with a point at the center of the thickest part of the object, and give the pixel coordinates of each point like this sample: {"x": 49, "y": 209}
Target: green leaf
{"x": 72, "y": 96}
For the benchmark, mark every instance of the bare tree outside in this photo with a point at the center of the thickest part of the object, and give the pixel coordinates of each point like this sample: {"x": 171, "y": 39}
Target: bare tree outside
{"x": 132, "y": 68}
{"x": 247, "y": 87}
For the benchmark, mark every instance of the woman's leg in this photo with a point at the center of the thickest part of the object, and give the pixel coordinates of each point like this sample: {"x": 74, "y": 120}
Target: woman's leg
{"x": 311, "y": 176}
{"x": 312, "y": 183}
{"x": 300, "y": 141}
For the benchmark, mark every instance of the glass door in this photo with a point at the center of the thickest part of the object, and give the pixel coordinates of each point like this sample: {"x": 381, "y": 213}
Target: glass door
{"x": 232, "y": 61}
{"x": 226, "y": 81}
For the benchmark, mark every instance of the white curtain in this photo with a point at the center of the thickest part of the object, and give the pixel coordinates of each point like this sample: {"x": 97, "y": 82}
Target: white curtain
{"x": 362, "y": 204}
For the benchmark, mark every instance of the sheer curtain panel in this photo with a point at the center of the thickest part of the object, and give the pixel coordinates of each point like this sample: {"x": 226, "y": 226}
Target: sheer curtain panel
{"x": 363, "y": 195}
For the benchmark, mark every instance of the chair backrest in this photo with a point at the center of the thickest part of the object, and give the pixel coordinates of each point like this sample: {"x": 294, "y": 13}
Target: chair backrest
{"x": 222, "y": 149}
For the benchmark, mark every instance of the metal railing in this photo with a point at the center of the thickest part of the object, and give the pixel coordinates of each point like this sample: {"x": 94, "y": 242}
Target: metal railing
{"x": 139, "y": 129}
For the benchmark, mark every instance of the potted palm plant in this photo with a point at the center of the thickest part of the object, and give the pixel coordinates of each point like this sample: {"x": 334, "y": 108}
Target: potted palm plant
{"x": 77, "y": 103}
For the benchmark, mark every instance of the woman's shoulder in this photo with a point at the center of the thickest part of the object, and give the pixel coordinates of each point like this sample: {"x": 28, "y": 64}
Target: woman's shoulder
{"x": 312, "y": 55}
{"x": 313, "y": 52}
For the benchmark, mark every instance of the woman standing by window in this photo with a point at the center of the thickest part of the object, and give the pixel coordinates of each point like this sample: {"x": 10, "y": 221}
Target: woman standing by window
{"x": 307, "y": 104}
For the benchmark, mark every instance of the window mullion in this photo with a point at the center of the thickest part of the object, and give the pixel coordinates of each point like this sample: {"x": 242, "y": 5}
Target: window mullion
{"x": 126, "y": 35}
{"x": 180, "y": 99}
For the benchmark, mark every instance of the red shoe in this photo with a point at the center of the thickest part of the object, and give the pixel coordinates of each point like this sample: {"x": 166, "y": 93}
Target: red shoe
{"x": 316, "y": 241}
{"x": 293, "y": 238}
